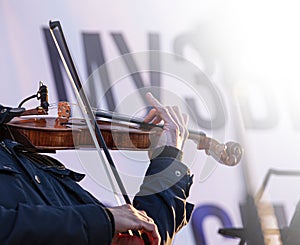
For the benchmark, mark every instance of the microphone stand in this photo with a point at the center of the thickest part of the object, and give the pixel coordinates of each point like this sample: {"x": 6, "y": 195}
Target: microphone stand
{"x": 249, "y": 233}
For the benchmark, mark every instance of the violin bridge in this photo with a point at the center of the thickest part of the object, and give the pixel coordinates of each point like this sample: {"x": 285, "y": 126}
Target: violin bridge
{"x": 64, "y": 109}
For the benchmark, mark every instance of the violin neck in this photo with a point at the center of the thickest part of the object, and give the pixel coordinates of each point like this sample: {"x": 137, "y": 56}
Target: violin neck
{"x": 124, "y": 118}
{"x": 203, "y": 142}
{"x": 194, "y": 135}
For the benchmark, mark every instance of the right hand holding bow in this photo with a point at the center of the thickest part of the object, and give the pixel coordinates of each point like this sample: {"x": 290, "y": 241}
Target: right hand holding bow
{"x": 126, "y": 218}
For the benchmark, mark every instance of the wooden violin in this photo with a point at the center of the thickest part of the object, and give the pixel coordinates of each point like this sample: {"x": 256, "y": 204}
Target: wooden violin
{"x": 48, "y": 134}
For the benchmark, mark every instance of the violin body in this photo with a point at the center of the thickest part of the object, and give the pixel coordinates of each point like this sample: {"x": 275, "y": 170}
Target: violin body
{"x": 48, "y": 134}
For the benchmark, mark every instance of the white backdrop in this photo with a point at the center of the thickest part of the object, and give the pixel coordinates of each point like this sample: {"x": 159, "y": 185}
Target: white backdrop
{"x": 248, "y": 51}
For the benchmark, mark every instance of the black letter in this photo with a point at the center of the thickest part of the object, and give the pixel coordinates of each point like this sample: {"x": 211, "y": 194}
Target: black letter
{"x": 56, "y": 66}
{"x": 132, "y": 66}
{"x": 94, "y": 59}
{"x": 218, "y": 118}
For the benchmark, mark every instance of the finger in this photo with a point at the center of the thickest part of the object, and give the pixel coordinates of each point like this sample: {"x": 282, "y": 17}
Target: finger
{"x": 143, "y": 213}
{"x": 146, "y": 217}
{"x": 161, "y": 110}
{"x": 182, "y": 119}
{"x": 140, "y": 220}
{"x": 153, "y": 239}
{"x": 177, "y": 119}
{"x": 140, "y": 216}
{"x": 144, "y": 225}
{"x": 153, "y": 101}
{"x": 157, "y": 120}
{"x": 150, "y": 116}
{"x": 185, "y": 118}
{"x": 143, "y": 222}
{"x": 178, "y": 113}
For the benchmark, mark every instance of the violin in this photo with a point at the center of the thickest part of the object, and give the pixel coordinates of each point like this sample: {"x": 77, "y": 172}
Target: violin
{"x": 48, "y": 134}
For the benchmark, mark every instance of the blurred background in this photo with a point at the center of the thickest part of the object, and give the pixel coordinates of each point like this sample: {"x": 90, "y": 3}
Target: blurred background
{"x": 231, "y": 65}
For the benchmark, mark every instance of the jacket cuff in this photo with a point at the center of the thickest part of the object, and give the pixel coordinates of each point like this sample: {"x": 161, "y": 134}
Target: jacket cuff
{"x": 112, "y": 221}
{"x": 97, "y": 228}
{"x": 167, "y": 151}
{"x": 164, "y": 173}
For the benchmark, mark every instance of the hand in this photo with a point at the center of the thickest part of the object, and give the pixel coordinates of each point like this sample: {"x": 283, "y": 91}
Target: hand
{"x": 175, "y": 130}
{"x": 126, "y": 218}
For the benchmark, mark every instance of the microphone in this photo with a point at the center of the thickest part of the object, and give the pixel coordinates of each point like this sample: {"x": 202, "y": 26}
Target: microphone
{"x": 42, "y": 95}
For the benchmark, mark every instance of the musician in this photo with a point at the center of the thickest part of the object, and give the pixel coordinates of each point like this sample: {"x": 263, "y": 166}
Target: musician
{"x": 41, "y": 202}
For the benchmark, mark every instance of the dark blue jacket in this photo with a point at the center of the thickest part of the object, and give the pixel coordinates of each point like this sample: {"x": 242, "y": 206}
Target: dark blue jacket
{"x": 43, "y": 204}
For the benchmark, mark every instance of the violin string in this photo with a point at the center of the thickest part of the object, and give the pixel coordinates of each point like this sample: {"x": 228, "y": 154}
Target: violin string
{"x": 125, "y": 118}
{"x": 136, "y": 120}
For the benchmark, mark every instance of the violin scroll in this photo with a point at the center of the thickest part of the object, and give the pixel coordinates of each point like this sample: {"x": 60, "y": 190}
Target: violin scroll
{"x": 234, "y": 152}
{"x": 228, "y": 154}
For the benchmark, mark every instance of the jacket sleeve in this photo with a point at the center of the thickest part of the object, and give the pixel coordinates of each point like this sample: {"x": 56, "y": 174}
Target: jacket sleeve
{"x": 163, "y": 196}
{"x": 42, "y": 224}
